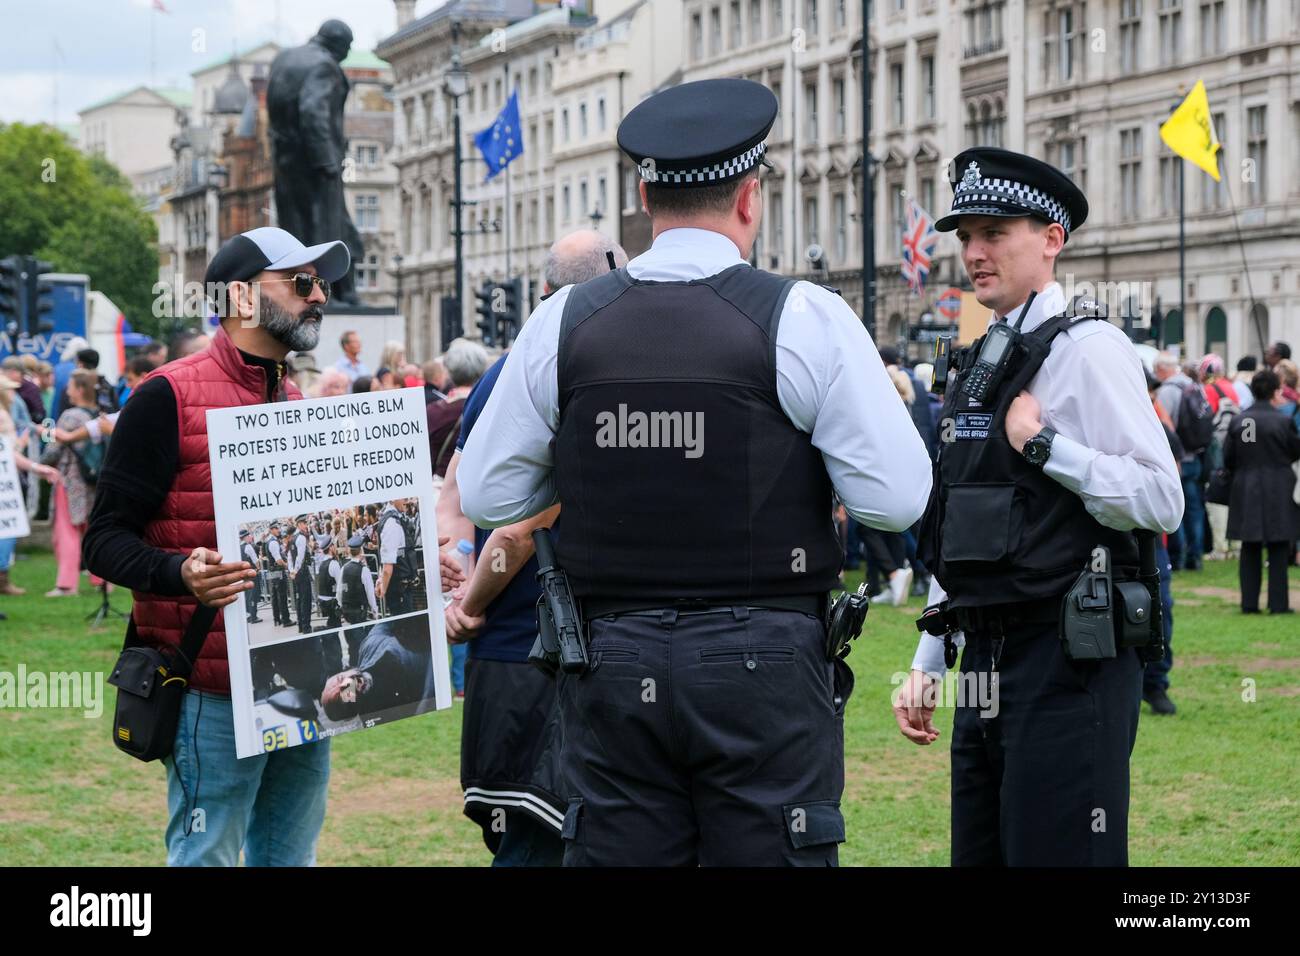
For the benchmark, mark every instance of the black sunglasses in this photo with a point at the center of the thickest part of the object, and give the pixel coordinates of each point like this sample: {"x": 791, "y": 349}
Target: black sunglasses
{"x": 303, "y": 282}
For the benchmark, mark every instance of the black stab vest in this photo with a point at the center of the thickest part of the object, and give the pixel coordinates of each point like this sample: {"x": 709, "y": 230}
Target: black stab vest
{"x": 997, "y": 530}
{"x": 680, "y": 475}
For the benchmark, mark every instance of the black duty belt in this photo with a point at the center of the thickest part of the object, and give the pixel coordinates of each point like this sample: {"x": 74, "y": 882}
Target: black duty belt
{"x": 814, "y": 604}
{"x": 1002, "y": 619}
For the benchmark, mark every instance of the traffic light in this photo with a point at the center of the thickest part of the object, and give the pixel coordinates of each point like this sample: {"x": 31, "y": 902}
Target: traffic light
{"x": 510, "y": 320}
{"x": 487, "y": 321}
{"x": 37, "y": 294}
{"x": 11, "y": 295}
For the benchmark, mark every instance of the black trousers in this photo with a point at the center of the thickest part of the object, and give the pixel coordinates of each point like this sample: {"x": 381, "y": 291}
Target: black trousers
{"x": 280, "y": 600}
{"x": 302, "y": 600}
{"x": 1251, "y": 570}
{"x": 707, "y": 739}
{"x": 1040, "y": 778}
{"x": 254, "y": 598}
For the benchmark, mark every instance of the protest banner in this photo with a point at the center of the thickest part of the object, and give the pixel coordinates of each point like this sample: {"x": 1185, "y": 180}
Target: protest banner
{"x": 13, "y": 509}
{"x": 332, "y": 501}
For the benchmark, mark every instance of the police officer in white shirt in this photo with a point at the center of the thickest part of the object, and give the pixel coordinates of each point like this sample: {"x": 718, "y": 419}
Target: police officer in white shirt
{"x": 695, "y": 416}
{"x": 249, "y": 553}
{"x": 300, "y": 573}
{"x": 277, "y": 576}
{"x": 1050, "y": 450}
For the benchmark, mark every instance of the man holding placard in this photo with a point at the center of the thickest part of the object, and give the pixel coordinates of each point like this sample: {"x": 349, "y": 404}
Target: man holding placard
{"x": 152, "y": 530}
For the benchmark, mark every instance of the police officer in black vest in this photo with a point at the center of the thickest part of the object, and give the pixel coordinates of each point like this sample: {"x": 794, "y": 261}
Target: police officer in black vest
{"x": 278, "y": 556}
{"x": 1050, "y": 457}
{"x": 300, "y": 574}
{"x": 249, "y": 553}
{"x": 695, "y": 415}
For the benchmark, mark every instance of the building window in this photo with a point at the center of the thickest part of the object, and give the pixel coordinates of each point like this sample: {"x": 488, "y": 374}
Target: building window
{"x": 896, "y": 93}
{"x": 368, "y": 273}
{"x": 927, "y": 194}
{"x": 600, "y": 114}
{"x": 631, "y": 195}
{"x": 810, "y": 223}
{"x": 367, "y": 156}
{"x": 1130, "y": 172}
{"x": 986, "y": 122}
{"x": 1070, "y": 157}
{"x": 841, "y": 228}
{"x": 582, "y": 120}
{"x": 564, "y": 125}
{"x": 1169, "y": 185}
{"x": 1257, "y": 151}
{"x": 1061, "y": 39}
{"x": 600, "y": 193}
{"x": 566, "y": 210}
{"x": 778, "y": 224}
{"x": 1256, "y": 21}
{"x": 776, "y": 25}
{"x": 927, "y": 88}
{"x": 697, "y": 37}
{"x": 1212, "y": 193}
{"x": 584, "y": 207}
{"x": 1212, "y": 28}
{"x": 735, "y": 24}
{"x": 982, "y": 28}
{"x": 897, "y": 214}
{"x": 755, "y": 21}
{"x": 367, "y": 212}
{"x": 532, "y": 81}
{"x": 1171, "y": 31}
{"x": 810, "y": 17}
{"x": 778, "y": 126}
{"x": 841, "y": 107}
{"x": 1130, "y": 35}
{"x": 841, "y": 14}
{"x": 715, "y": 31}
{"x": 810, "y": 111}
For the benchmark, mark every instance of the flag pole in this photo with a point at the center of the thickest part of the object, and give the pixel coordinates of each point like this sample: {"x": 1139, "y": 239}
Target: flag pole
{"x": 1182, "y": 246}
{"x": 506, "y": 68}
{"x": 1241, "y": 247}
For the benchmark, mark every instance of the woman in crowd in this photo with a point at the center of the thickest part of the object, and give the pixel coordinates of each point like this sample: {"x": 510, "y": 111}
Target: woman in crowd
{"x": 23, "y": 463}
{"x": 393, "y": 357}
{"x": 1262, "y": 513}
{"x": 73, "y": 493}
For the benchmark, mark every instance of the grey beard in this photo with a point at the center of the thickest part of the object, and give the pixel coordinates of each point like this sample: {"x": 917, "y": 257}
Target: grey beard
{"x": 299, "y": 334}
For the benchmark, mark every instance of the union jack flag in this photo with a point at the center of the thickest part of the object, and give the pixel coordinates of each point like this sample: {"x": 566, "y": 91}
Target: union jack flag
{"x": 919, "y": 240}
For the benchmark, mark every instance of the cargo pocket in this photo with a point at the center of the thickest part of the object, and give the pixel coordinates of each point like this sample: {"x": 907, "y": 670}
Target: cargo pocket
{"x": 814, "y": 823}
{"x": 977, "y": 524}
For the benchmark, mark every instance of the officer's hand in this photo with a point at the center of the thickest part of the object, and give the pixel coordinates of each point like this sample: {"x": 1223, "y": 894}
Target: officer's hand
{"x": 914, "y": 708}
{"x": 213, "y": 583}
{"x": 461, "y": 627}
{"x": 1024, "y": 420}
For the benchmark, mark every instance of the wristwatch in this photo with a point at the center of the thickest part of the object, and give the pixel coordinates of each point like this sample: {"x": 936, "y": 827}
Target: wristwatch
{"x": 1039, "y": 448}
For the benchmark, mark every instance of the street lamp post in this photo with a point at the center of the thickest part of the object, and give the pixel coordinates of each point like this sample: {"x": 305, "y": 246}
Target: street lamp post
{"x": 455, "y": 85}
{"x": 595, "y": 217}
{"x": 868, "y": 188}
{"x": 397, "y": 271}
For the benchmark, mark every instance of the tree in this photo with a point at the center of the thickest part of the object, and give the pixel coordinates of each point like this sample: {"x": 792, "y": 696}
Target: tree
{"x": 80, "y": 214}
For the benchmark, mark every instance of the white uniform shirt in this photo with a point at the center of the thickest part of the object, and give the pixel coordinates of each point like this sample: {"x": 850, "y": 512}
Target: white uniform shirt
{"x": 298, "y": 553}
{"x": 830, "y": 382}
{"x": 276, "y": 554}
{"x": 250, "y": 555}
{"x": 392, "y": 539}
{"x": 1110, "y": 448}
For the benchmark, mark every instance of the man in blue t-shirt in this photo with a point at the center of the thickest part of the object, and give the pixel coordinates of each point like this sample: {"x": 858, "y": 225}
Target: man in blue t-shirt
{"x": 510, "y": 733}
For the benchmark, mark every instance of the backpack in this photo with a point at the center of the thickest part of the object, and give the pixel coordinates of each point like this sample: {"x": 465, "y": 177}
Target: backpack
{"x": 406, "y": 568}
{"x": 1195, "y": 419}
{"x": 90, "y": 460}
{"x": 1228, "y": 409}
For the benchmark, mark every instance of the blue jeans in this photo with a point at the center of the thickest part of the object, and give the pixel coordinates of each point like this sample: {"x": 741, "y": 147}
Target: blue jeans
{"x": 1156, "y": 674}
{"x": 458, "y": 652}
{"x": 7, "y": 548}
{"x": 271, "y": 805}
{"x": 1192, "y": 532}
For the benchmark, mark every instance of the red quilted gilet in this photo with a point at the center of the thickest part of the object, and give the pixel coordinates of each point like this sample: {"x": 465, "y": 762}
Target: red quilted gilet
{"x": 217, "y": 377}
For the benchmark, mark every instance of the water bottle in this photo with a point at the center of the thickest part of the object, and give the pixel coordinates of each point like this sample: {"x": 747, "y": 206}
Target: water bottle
{"x": 464, "y": 548}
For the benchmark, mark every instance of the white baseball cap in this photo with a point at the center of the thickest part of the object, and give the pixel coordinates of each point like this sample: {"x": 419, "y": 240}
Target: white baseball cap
{"x": 271, "y": 249}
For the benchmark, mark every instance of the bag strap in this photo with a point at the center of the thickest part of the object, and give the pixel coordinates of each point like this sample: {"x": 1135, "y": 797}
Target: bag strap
{"x": 196, "y": 632}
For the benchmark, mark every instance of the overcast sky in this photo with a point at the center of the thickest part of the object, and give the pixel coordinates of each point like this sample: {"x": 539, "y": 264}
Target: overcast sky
{"x": 105, "y": 43}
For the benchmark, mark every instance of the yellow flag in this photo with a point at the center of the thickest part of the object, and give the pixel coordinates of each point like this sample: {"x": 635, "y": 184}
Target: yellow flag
{"x": 1189, "y": 132}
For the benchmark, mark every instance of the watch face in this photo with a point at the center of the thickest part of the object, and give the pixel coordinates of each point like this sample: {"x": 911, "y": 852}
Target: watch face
{"x": 1036, "y": 450}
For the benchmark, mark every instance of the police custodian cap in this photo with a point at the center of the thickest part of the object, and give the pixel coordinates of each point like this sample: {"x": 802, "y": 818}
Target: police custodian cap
{"x": 997, "y": 182}
{"x": 699, "y": 134}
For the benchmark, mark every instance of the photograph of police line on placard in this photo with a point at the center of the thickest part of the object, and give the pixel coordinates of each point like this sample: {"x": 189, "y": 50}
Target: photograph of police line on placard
{"x": 320, "y": 570}
{"x": 342, "y": 680}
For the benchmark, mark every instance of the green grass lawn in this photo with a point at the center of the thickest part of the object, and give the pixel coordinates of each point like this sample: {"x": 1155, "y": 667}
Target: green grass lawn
{"x": 1214, "y": 785}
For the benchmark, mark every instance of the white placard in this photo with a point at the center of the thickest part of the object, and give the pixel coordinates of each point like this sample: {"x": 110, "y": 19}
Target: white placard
{"x": 328, "y": 459}
{"x": 13, "y": 509}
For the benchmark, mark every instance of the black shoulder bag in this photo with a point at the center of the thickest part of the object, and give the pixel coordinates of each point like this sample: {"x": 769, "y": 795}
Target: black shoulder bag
{"x": 150, "y": 686}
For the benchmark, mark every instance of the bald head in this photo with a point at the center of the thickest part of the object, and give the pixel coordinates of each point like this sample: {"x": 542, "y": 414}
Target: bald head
{"x": 580, "y": 256}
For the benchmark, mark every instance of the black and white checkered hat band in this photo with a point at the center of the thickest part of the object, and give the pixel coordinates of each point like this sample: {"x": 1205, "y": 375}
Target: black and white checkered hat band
{"x": 715, "y": 173}
{"x": 983, "y": 191}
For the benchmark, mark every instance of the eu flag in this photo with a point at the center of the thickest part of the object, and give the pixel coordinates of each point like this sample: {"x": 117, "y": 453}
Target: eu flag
{"x": 503, "y": 140}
